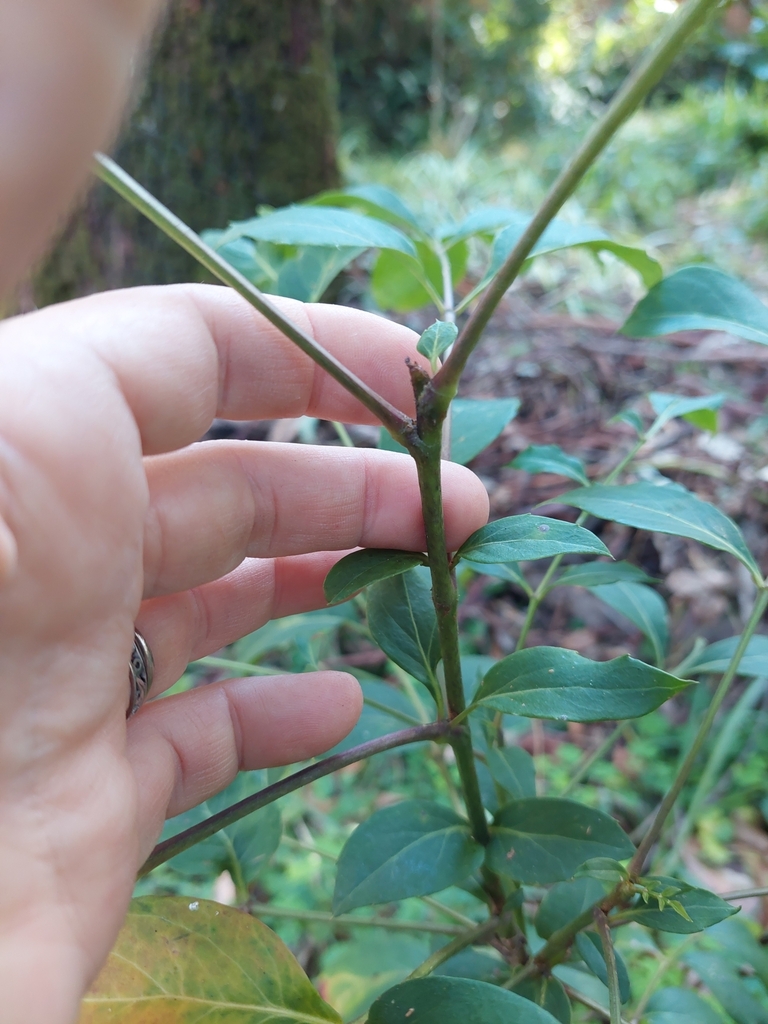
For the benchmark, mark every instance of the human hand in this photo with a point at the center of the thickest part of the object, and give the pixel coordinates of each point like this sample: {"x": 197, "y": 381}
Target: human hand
{"x": 113, "y": 516}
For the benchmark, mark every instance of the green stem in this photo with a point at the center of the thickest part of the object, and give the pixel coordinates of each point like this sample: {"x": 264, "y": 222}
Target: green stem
{"x": 441, "y": 908}
{"x": 609, "y": 955}
{"x": 344, "y": 920}
{"x": 579, "y": 997}
{"x": 543, "y": 588}
{"x": 634, "y": 90}
{"x": 661, "y": 969}
{"x": 597, "y": 754}
{"x": 653, "y": 833}
{"x": 398, "y": 424}
{"x": 445, "y": 600}
{"x": 343, "y": 434}
{"x": 467, "y": 938}
{"x": 184, "y": 840}
{"x": 743, "y": 894}
{"x": 428, "y": 901}
{"x": 713, "y": 768}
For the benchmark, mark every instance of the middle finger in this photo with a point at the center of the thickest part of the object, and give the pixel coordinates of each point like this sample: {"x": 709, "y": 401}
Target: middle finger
{"x": 215, "y": 503}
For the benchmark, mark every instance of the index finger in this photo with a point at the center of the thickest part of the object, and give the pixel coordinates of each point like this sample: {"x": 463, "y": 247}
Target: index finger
{"x": 184, "y": 354}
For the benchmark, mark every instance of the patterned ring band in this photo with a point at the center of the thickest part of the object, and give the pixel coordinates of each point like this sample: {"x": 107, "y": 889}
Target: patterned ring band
{"x": 141, "y": 670}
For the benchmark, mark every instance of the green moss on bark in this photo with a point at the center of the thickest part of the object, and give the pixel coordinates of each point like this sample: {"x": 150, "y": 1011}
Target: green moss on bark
{"x": 238, "y": 109}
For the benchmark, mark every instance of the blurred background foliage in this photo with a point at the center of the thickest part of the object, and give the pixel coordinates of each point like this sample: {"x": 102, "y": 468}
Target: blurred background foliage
{"x": 249, "y": 103}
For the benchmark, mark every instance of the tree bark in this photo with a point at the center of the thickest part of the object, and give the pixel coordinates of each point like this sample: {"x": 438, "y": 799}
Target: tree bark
{"x": 238, "y": 110}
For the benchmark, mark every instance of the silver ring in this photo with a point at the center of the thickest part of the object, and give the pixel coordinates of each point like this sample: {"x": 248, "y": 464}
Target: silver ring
{"x": 141, "y": 671}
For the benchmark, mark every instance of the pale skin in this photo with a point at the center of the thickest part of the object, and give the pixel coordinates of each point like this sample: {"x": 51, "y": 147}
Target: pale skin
{"x": 111, "y": 515}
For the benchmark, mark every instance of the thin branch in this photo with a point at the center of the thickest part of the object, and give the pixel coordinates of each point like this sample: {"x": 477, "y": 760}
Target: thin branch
{"x": 597, "y": 754}
{"x": 634, "y": 90}
{"x": 349, "y": 920}
{"x": 743, "y": 894}
{"x": 609, "y": 955}
{"x": 467, "y": 938}
{"x": 398, "y": 424}
{"x": 662, "y": 967}
{"x": 579, "y": 997}
{"x": 184, "y": 840}
{"x": 653, "y": 833}
{"x": 445, "y": 600}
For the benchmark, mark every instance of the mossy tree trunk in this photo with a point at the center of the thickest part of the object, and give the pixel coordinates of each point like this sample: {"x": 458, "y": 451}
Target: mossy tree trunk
{"x": 238, "y": 109}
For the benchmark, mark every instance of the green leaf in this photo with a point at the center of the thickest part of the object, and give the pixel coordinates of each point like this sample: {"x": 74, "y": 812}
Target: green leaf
{"x": 701, "y": 411}
{"x": 440, "y": 1000}
{"x": 552, "y": 682}
{"x": 242, "y": 848}
{"x": 476, "y": 423}
{"x": 400, "y": 283}
{"x": 402, "y": 621}
{"x": 355, "y": 973}
{"x": 381, "y": 719}
{"x": 509, "y": 572}
{"x": 590, "y": 947}
{"x": 411, "y": 849}
{"x": 644, "y": 607}
{"x": 543, "y": 840}
{"x": 549, "y": 994}
{"x": 477, "y": 963}
{"x": 372, "y": 200}
{"x": 527, "y": 537}
{"x": 680, "y": 1006}
{"x": 513, "y": 769}
{"x": 180, "y": 960}
{"x": 738, "y": 944}
{"x": 361, "y": 568}
{"x": 282, "y": 633}
{"x": 561, "y": 235}
{"x": 605, "y": 870}
{"x": 598, "y": 574}
{"x": 725, "y": 982}
{"x": 665, "y": 508}
{"x": 320, "y": 226}
{"x": 436, "y": 339}
{"x": 565, "y": 902}
{"x": 244, "y": 256}
{"x": 549, "y": 458}
{"x": 703, "y": 908}
{"x": 717, "y": 657}
{"x": 699, "y": 299}
{"x": 486, "y": 220}
{"x": 307, "y": 275}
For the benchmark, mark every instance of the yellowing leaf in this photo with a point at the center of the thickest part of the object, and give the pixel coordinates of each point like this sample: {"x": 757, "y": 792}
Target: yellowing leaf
{"x": 181, "y": 961}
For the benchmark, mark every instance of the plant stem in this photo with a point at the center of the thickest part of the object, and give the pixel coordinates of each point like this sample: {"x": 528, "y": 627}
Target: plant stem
{"x": 428, "y": 901}
{"x": 441, "y": 908}
{"x": 743, "y": 894}
{"x": 398, "y": 424}
{"x": 661, "y": 969}
{"x": 289, "y": 913}
{"x": 467, "y": 938}
{"x": 445, "y": 600}
{"x": 653, "y": 833}
{"x": 541, "y": 591}
{"x": 184, "y": 840}
{"x": 634, "y": 90}
{"x": 343, "y": 434}
{"x": 596, "y": 755}
{"x": 610, "y": 963}
{"x": 579, "y": 997}
{"x": 712, "y": 770}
